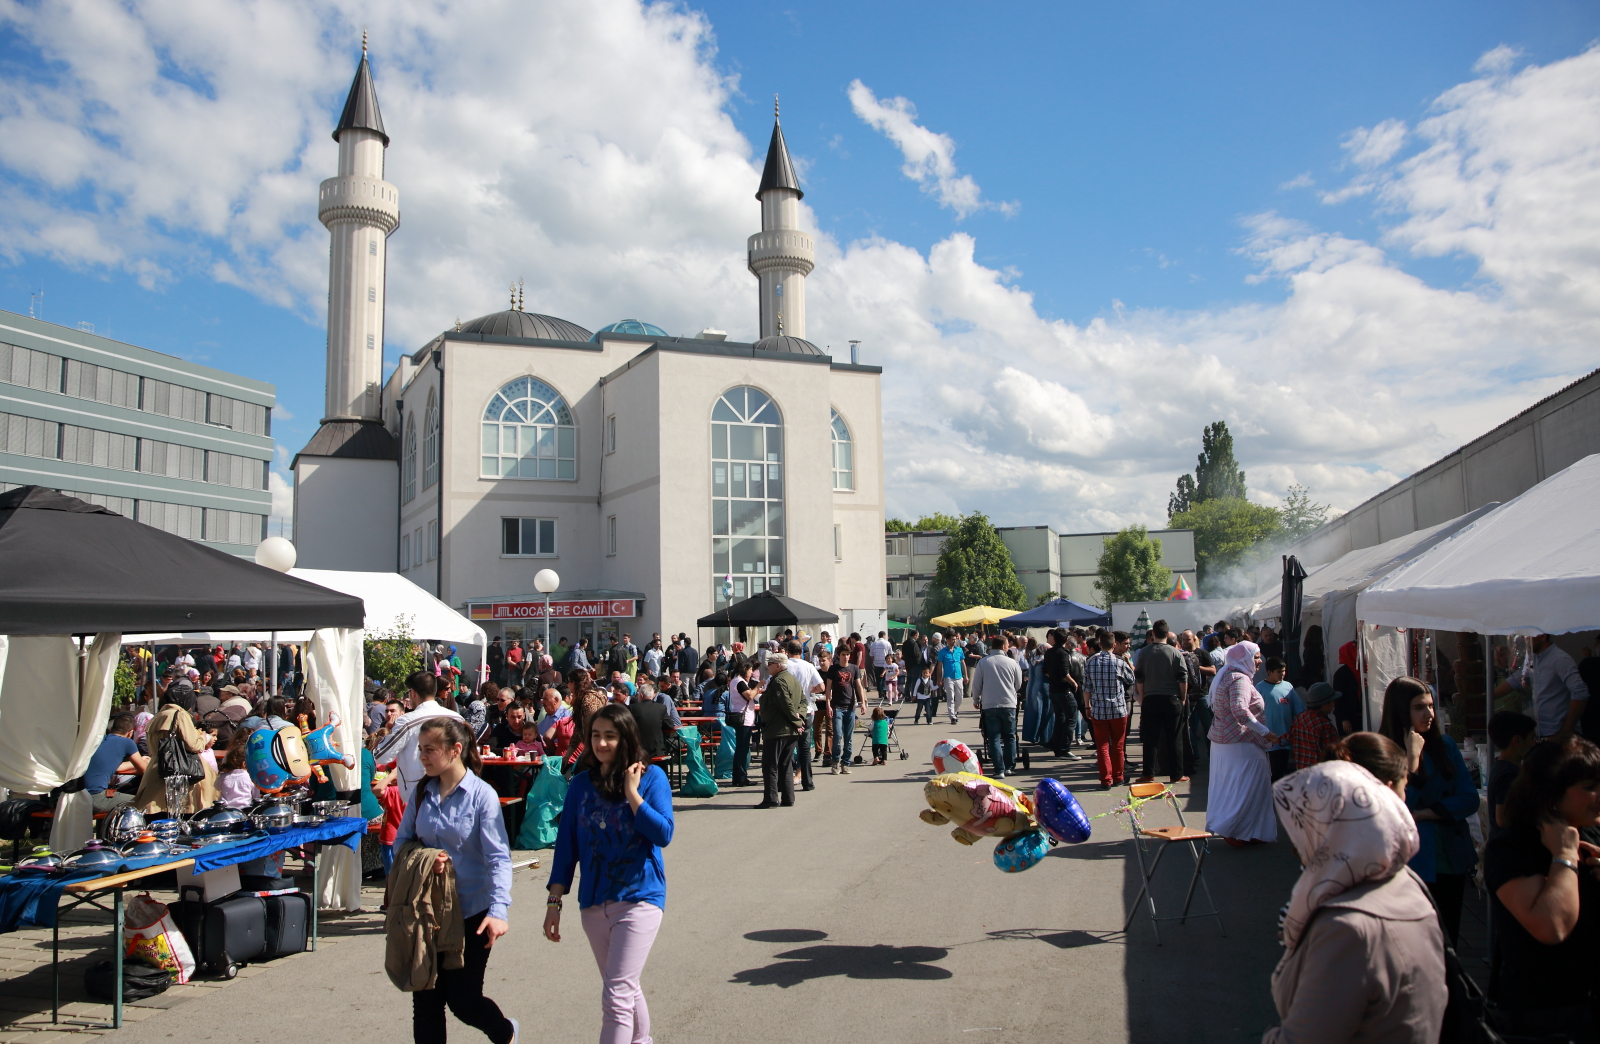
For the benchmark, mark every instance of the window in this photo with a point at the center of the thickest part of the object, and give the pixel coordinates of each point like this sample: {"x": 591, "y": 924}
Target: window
{"x": 897, "y": 545}
{"x": 229, "y": 469}
{"x": 900, "y": 589}
{"x": 528, "y": 433}
{"x": 372, "y": 296}
{"x": 372, "y": 340}
{"x": 838, "y": 543}
{"x": 528, "y": 537}
{"x": 611, "y": 534}
{"x": 410, "y": 466}
{"x": 419, "y": 550}
{"x": 234, "y": 527}
{"x": 29, "y": 436}
{"x": 405, "y": 552}
{"x": 747, "y": 517}
{"x": 433, "y": 540}
{"x": 372, "y": 247}
{"x": 430, "y": 443}
{"x": 611, "y": 434}
{"x": 844, "y": 472}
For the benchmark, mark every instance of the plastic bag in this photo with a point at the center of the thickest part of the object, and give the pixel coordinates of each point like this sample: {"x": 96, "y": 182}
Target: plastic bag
{"x": 542, "y": 807}
{"x": 697, "y": 781}
{"x": 153, "y": 938}
{"x": 725, "y": 751}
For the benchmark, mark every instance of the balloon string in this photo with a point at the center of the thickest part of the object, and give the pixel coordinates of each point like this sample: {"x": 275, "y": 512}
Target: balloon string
{"x": 1132, "y": 807}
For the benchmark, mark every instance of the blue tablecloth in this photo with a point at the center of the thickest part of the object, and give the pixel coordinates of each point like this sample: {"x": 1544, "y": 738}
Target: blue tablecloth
{"x": 29, "y": 900}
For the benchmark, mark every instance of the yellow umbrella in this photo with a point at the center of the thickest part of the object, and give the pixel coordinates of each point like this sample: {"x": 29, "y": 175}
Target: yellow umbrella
{"x": 978, "y": 614}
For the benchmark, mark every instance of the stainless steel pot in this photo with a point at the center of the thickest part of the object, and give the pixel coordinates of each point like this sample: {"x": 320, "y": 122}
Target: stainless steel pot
{"x": 146, "y": 846}
{"x": 218, "y": 819}
{"x": 124, "y": 824}
{"x": 272, "y": 815}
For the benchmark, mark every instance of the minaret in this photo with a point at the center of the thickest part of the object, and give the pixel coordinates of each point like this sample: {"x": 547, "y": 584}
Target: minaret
{"x": 781, "y": 256}
{"x": 360, "y": 209}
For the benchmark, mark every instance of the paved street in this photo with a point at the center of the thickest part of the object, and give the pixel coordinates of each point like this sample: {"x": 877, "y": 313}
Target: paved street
{"x": 843, "y": 919}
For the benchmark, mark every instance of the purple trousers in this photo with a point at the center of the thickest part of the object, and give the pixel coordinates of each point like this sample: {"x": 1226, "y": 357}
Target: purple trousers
{"x": 621, "y": 934}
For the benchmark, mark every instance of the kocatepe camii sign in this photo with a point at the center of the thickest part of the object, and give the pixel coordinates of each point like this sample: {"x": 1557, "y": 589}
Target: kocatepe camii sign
{"x": 560, "y": 609}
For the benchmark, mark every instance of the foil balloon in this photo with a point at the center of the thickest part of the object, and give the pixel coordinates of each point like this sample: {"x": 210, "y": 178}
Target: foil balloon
{"x": 954, "y": 756}
{"x": 1059, "y": 813}
{"x": 1021, "y": 851}
{"x": 322, "y": 746}
{"x": 277, "y": 760}
{"x": 977, "y": 805}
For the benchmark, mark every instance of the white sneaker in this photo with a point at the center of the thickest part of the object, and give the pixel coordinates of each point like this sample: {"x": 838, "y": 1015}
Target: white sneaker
{"x": 833, "y": 769}
{"x": 516, "y": 1030}
{"x": 1071, "y": 756}
{"x": 845, "y": 771}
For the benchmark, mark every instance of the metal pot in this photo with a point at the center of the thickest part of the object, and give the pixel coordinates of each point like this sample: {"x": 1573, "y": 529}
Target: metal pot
{"x": 125, "y": 824}
{"x": 146, "y": 846}
{"x": 272, "y": 815}
{"x": 96, "y": 855}
{"x": 42, "y": 860}
{"x": 218, "y": 819}
{"x": 306, "y": 820}
{"x": 330, "y": 809}
{"x": 165, "y": 829}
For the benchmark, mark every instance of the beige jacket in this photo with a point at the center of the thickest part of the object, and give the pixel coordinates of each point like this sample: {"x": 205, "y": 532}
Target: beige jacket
{"x": 1369, "y": 967}
{"x": 152, "y": 795}
{"x": 424, "y": 924}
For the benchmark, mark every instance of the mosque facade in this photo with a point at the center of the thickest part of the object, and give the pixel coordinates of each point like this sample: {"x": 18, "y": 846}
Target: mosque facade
{"x": 662, "y": 477}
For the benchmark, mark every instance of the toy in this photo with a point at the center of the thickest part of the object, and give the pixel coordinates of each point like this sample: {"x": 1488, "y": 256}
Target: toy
{"x": 277, "y": 760}
{"x": 954, "y": 756}
{"x": 1059, "y": 812}
{"x": 322, "y": 746}
{"x": 977, "y": 805}
{"x": 1021, "y": 851}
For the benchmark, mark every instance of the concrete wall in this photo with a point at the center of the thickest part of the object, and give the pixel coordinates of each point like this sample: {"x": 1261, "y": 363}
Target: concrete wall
{"x": 859, "y": 575}
{"x": 334, "y": 521}
{"x": 1500, "y": 465}
{"x": 1080, "y": 560}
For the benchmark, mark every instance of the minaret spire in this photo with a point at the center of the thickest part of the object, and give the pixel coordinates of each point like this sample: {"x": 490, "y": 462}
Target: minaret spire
{"x": 360, "y": 210}
{"x": 781, "y": 256}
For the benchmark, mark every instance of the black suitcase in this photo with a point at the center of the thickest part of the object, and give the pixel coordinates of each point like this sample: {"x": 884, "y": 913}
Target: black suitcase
{"x": 288, "y": 924}
{"x": 252, "y": 884}
{"x": 224, "y": 934}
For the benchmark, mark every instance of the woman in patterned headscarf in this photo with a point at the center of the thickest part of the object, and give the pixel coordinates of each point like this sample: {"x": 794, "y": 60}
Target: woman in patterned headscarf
{"x": 1239, "y": 802}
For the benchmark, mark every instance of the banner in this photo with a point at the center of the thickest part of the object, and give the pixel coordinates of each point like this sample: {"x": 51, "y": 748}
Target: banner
{"x": 560, "y": 609}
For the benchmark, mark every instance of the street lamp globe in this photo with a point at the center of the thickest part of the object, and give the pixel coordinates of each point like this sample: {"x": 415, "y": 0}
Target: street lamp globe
{"x": 546, "y": 580}
{"x": 276, "y": 553}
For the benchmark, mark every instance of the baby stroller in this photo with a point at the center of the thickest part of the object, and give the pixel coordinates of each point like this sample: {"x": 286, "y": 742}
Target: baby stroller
{"x": 864, "y": 725}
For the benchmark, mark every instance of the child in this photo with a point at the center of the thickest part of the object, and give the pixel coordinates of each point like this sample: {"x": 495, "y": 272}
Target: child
{"x": 529, "y": 742}
{"x": 387, "y": 787}
{"x": 1282, "y": 706}
{"x": 891, "y": 677}
{"x": 1512, "y": 735}
{"x": 234, "y": 786}
{"x": 922, "y": 692}
{"x": 1313, "y": 728}
{"x": 880, "y": 736}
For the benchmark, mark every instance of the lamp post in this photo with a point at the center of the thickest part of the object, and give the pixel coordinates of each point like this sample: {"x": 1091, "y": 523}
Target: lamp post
{"x": 275, "y": 553}
{"x": 546, "y": 581}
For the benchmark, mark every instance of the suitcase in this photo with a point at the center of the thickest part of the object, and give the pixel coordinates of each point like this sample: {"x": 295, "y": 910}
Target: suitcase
{"x": 288, "y": 924}
{"x": 253, "y": 884}
{"x": 224, "y": 934}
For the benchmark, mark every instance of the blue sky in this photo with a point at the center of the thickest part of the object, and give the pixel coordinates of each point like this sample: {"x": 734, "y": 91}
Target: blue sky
{"x": 1151, "y": 186}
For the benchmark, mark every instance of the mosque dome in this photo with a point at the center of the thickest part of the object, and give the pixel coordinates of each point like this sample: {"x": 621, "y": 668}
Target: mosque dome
{"x": 785, "y": 343}
{"x": 517, "y": 323}
{"x": 632, "y": 326}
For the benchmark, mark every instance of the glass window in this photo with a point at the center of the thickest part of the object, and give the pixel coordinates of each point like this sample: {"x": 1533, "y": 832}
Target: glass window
{"x": 430, "y": 443}
{"x": 528, "y": 537}
{"x": 747, "y": 550}
{"x": 529, "y": 433}
{"x": 844, "y": 473}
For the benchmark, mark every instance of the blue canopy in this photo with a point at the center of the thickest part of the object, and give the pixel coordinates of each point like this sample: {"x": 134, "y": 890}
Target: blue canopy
{"x": 1063, "y": 612}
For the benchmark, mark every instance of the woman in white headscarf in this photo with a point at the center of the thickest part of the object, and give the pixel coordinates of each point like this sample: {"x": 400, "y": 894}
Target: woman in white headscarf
{"x": 1239, "y": 798}
{"x": 1363, "y": 952}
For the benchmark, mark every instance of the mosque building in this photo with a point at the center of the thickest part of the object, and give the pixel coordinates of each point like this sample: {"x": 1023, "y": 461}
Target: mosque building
{"x": 660, "y": 476}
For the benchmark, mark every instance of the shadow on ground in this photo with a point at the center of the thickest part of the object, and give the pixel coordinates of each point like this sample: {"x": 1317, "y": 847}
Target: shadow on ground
{"x": 855, "y": 962}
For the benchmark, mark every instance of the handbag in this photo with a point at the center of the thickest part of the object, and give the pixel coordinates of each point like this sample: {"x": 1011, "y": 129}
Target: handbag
{"x": 174, "y": 758}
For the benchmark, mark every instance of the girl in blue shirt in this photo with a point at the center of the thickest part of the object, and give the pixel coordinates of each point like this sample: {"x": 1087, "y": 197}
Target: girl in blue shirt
{"x": 616, "y": 820}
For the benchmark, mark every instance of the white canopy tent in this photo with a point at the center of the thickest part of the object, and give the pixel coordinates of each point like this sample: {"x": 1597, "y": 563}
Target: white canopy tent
{"x": 1530, "y": 567}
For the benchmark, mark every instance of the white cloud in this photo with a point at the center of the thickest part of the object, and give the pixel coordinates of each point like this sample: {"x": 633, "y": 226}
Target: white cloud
{"x": 191, "y": 138}
{"x": 929, "y": 156}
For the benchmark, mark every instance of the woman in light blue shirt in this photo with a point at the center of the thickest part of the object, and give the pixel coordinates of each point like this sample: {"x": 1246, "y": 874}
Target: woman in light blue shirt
{"x": 455, "y": 811}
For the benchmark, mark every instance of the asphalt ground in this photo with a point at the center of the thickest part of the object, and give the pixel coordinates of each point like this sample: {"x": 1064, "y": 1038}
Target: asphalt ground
{"x": 845, "y": 918}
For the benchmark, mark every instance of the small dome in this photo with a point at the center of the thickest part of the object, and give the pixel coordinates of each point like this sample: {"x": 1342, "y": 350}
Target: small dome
{"x": 785, "y": 343}
{"x": 526, "y": 324}
{"x": 631, "y": 326}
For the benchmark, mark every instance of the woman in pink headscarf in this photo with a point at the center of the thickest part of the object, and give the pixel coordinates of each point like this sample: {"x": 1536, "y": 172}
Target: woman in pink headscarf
{"x": 1239, "y": 801}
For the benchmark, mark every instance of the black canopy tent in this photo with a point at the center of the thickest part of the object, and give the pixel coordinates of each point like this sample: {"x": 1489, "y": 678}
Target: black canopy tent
{"x": 767, "y": 610}
{"x": 69, "y": 567}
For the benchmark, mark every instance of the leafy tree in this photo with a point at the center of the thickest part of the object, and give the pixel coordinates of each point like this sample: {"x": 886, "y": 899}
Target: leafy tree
{"x": 896, "y": 525}
{"x": 1216, "y": 475}
{"x": 1225, "y": 529}
{"x": 1299, "y": 515}
{"x": 1130, "y": 568}
{"x": 391, "y": 657}
{"x": 974, "y": 568}
{"x": 123, "y": 683}
{"x": 1183, "y": 499}
{"x": 1048, "y": 596}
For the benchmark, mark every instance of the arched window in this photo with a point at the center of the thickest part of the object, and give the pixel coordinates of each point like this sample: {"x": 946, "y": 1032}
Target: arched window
{"x": 747, "y": 525}
{"x": 844, "y": 469}
{"x": 411, "y": 458}
{"x": 528, "y": 433}
{"x": 430, "y": 444}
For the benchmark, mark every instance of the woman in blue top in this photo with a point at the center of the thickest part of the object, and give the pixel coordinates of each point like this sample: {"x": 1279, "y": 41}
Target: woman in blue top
{"x": 457, "y": 812}
{"x": 1439, "y": 793}
{"x": 616, "y": 820}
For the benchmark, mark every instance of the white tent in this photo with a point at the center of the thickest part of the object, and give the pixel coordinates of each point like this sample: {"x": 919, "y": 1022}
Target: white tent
{"x": 1530, "y": 567}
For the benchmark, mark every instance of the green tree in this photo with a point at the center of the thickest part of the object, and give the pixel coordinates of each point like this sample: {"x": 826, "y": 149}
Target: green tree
{"x": 1224, "y": 530}
{"x": 1183, "y": 499}
{"x": 974, "y": 568}
{"x": 896, "y": 525}
{"x": 1217, "y": 475}
{"x": 123, "y": 683}
{"x": 390, "y": 657}
{"x": 1130, "y": 568}
{"x": 1299, "y": 515}
{"x": 1048, "y": 596}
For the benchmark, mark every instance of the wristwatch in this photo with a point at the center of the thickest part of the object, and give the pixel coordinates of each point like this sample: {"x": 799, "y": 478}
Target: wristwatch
{"x": 1569, "y": 864}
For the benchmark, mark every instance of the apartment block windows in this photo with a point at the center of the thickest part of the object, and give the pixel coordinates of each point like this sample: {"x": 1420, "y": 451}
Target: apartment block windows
{"x": 900, "y": 589}
{"x": 433, "y": 540}
{"x": 611, "y": 434}
{"x": 405, "y": 552}
{"x": 528, "y": 537}
{"x": 611, "y": 534}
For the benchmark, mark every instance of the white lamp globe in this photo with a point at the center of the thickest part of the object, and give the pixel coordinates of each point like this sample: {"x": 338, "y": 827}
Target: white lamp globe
{"x": 276, "y": 553}
{"x": 546, "y": 580}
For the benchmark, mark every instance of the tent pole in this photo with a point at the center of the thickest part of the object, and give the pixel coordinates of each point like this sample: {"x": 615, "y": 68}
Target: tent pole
{"x": 272, "y": 665}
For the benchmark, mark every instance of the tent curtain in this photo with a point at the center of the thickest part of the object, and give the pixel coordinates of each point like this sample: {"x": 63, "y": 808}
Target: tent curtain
{"x": 334, "y": 681}
{"x": 46, "y": 742}
{"x": 1383, "y": 649}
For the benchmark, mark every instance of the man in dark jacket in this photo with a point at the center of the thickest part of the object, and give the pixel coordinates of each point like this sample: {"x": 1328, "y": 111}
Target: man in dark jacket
{"x": 688, "y": 659}
{"x": 783, "y": 718}
{"x": 651, "y": 718}
{"x": 1063, "y": 688}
